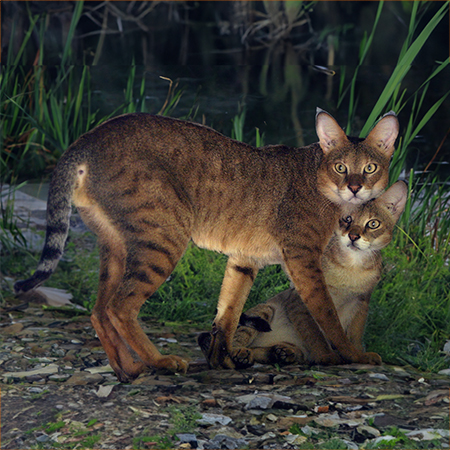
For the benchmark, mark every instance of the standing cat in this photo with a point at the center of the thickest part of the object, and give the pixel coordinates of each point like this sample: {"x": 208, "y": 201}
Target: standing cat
{"x": 281, "y": 330}
{"x": 147, "y": 185}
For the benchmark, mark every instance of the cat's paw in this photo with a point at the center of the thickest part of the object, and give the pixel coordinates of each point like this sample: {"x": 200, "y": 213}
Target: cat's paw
{"x": 213, "y": 346}
{"x": 282, "y": 354}
{"x": 172, "y": 363}
{"x": 371, "y": 358}
{"x": 242, "y": 357}
{"x": 329, "y": 359}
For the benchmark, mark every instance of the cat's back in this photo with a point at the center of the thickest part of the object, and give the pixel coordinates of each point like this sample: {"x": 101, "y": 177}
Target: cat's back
{"x": 143, "y": 136}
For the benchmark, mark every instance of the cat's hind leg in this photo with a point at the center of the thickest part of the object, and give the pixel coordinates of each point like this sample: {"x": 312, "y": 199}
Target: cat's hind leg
{"x": 126, "y": 365}
{"x": 148, "y": 265}
{"x": 134, "y": 263}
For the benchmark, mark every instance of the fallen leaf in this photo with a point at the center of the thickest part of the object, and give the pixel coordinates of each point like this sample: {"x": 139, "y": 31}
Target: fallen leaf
{"x": 389, "y": 397}
{"x": 104, "y": 391}
{"x": 168, "y": 399}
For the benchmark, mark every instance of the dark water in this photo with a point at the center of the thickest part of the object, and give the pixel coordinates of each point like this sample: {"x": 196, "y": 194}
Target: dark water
{"x": 227, "y": 55}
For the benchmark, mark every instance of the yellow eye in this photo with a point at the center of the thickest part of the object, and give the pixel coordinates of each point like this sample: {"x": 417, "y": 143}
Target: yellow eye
{"x": 370, "y": 168}
{"x": 373, "y": 224}
{"x": 347, "y": 219}
{"x": 340, "y": 168}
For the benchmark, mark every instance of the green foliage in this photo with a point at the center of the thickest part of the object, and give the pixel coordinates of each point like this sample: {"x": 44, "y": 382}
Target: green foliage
{"x": 11, "y": 235}
{"x": 183, "y": 419}
{"x": 52, "y": 427}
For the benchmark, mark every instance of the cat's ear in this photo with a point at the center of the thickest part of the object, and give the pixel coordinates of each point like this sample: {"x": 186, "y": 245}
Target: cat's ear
{"x": 395, "y": 198}
{"x": 330, "y": 134}
{"x": 384, "y": 133}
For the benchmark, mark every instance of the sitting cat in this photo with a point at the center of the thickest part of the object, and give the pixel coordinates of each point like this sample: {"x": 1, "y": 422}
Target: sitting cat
{"x": 147, "y": 185}
{"x": 281, "y": 330}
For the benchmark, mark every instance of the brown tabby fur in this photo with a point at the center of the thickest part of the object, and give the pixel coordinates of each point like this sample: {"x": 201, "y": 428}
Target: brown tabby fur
{"x": 147, "y": 185}
{"x": 352, "y": 267}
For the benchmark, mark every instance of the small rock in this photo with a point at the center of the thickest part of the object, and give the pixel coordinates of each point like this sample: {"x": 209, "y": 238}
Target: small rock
{"x": 225, "y": 442}
{"x": 43, "y": 438}
{"x": 100, "y": 369}
{"x": 84, "y": 378}
{"x": 446, "y": 348}
{"x": 35, "y": 390}
{"x": 188, "y": 438}
{"x": 367, "y": 430}
{"x": 295, "y": 439}
{"x": 212, "y": 419}
{"x": 13, "y": 329}
{"x": 59, "y": 377}
{"x": 104, "y": 391}
{"x": 379, "y": 376}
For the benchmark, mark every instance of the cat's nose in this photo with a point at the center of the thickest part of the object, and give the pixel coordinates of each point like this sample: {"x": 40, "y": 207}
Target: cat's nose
{"x": 354, "y": 237}
{"x": 354, "y": 188}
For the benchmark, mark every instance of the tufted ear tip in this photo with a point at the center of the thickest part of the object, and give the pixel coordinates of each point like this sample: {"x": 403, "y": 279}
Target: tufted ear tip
{"x": 319, "y": 110}
{"x": 384, "y": 133}
{"x": 390, "y": 113}
{"x": 329, "y": 132}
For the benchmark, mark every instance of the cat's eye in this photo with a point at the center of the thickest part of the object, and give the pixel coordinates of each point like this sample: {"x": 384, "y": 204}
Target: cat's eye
{"x": 347, "y": 219}
{"x": 373, "y": 224}
{"x": 340, "y": 168}
{"x": 370, "y": 168}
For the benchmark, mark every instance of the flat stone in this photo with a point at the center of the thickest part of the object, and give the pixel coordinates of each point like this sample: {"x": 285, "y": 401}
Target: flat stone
{"x": 84, "y": 378}
{"x": 15, "y": 328}
{"x": 212, "y": 419}
{"x": 225, "y": 442}
{"x": 47, "y": 370}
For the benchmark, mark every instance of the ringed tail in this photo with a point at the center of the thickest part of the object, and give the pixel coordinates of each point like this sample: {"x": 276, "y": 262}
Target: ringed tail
{"x": 59, "y": 208}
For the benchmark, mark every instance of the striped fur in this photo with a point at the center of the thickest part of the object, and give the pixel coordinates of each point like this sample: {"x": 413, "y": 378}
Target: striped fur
{"x": 147, "y": 185}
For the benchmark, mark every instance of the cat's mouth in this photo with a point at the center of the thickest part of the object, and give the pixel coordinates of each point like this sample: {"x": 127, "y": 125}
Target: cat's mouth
{"x": 355, "y": 200}
{"x": 353, "y": 246}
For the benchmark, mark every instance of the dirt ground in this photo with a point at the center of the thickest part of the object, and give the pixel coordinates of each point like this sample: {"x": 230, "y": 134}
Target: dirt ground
{"x": 58, "y": 391}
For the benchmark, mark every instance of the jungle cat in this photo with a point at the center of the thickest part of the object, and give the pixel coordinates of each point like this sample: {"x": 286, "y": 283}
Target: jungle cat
{"x": 146, "y": 185}
{"x": 282, "y": 331}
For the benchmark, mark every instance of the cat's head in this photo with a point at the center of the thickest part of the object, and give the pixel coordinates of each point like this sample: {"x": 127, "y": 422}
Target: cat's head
{"x": 353, "y": 170}
{"x": 370, "y": 226}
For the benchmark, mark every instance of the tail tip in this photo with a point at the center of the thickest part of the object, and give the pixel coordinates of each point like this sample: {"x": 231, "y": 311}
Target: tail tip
{"x": 23, "y": 286}
{"x": 20, "y": 287}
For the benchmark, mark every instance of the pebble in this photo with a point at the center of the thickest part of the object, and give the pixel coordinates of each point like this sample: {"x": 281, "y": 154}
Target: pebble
{"x": 212, "y": 419}
{"x": 225, "y": 442}
{"x": 379, "y": 376}
{"x": 83, "y": 378}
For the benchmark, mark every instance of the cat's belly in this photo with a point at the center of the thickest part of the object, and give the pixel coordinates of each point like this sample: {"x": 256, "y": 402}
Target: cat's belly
{"x": 259, "y": 247}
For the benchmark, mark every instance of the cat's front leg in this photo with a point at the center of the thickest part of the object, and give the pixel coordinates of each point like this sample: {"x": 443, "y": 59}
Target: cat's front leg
{"x": 306, "y": 274}
{"x": 236, "y": 285}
